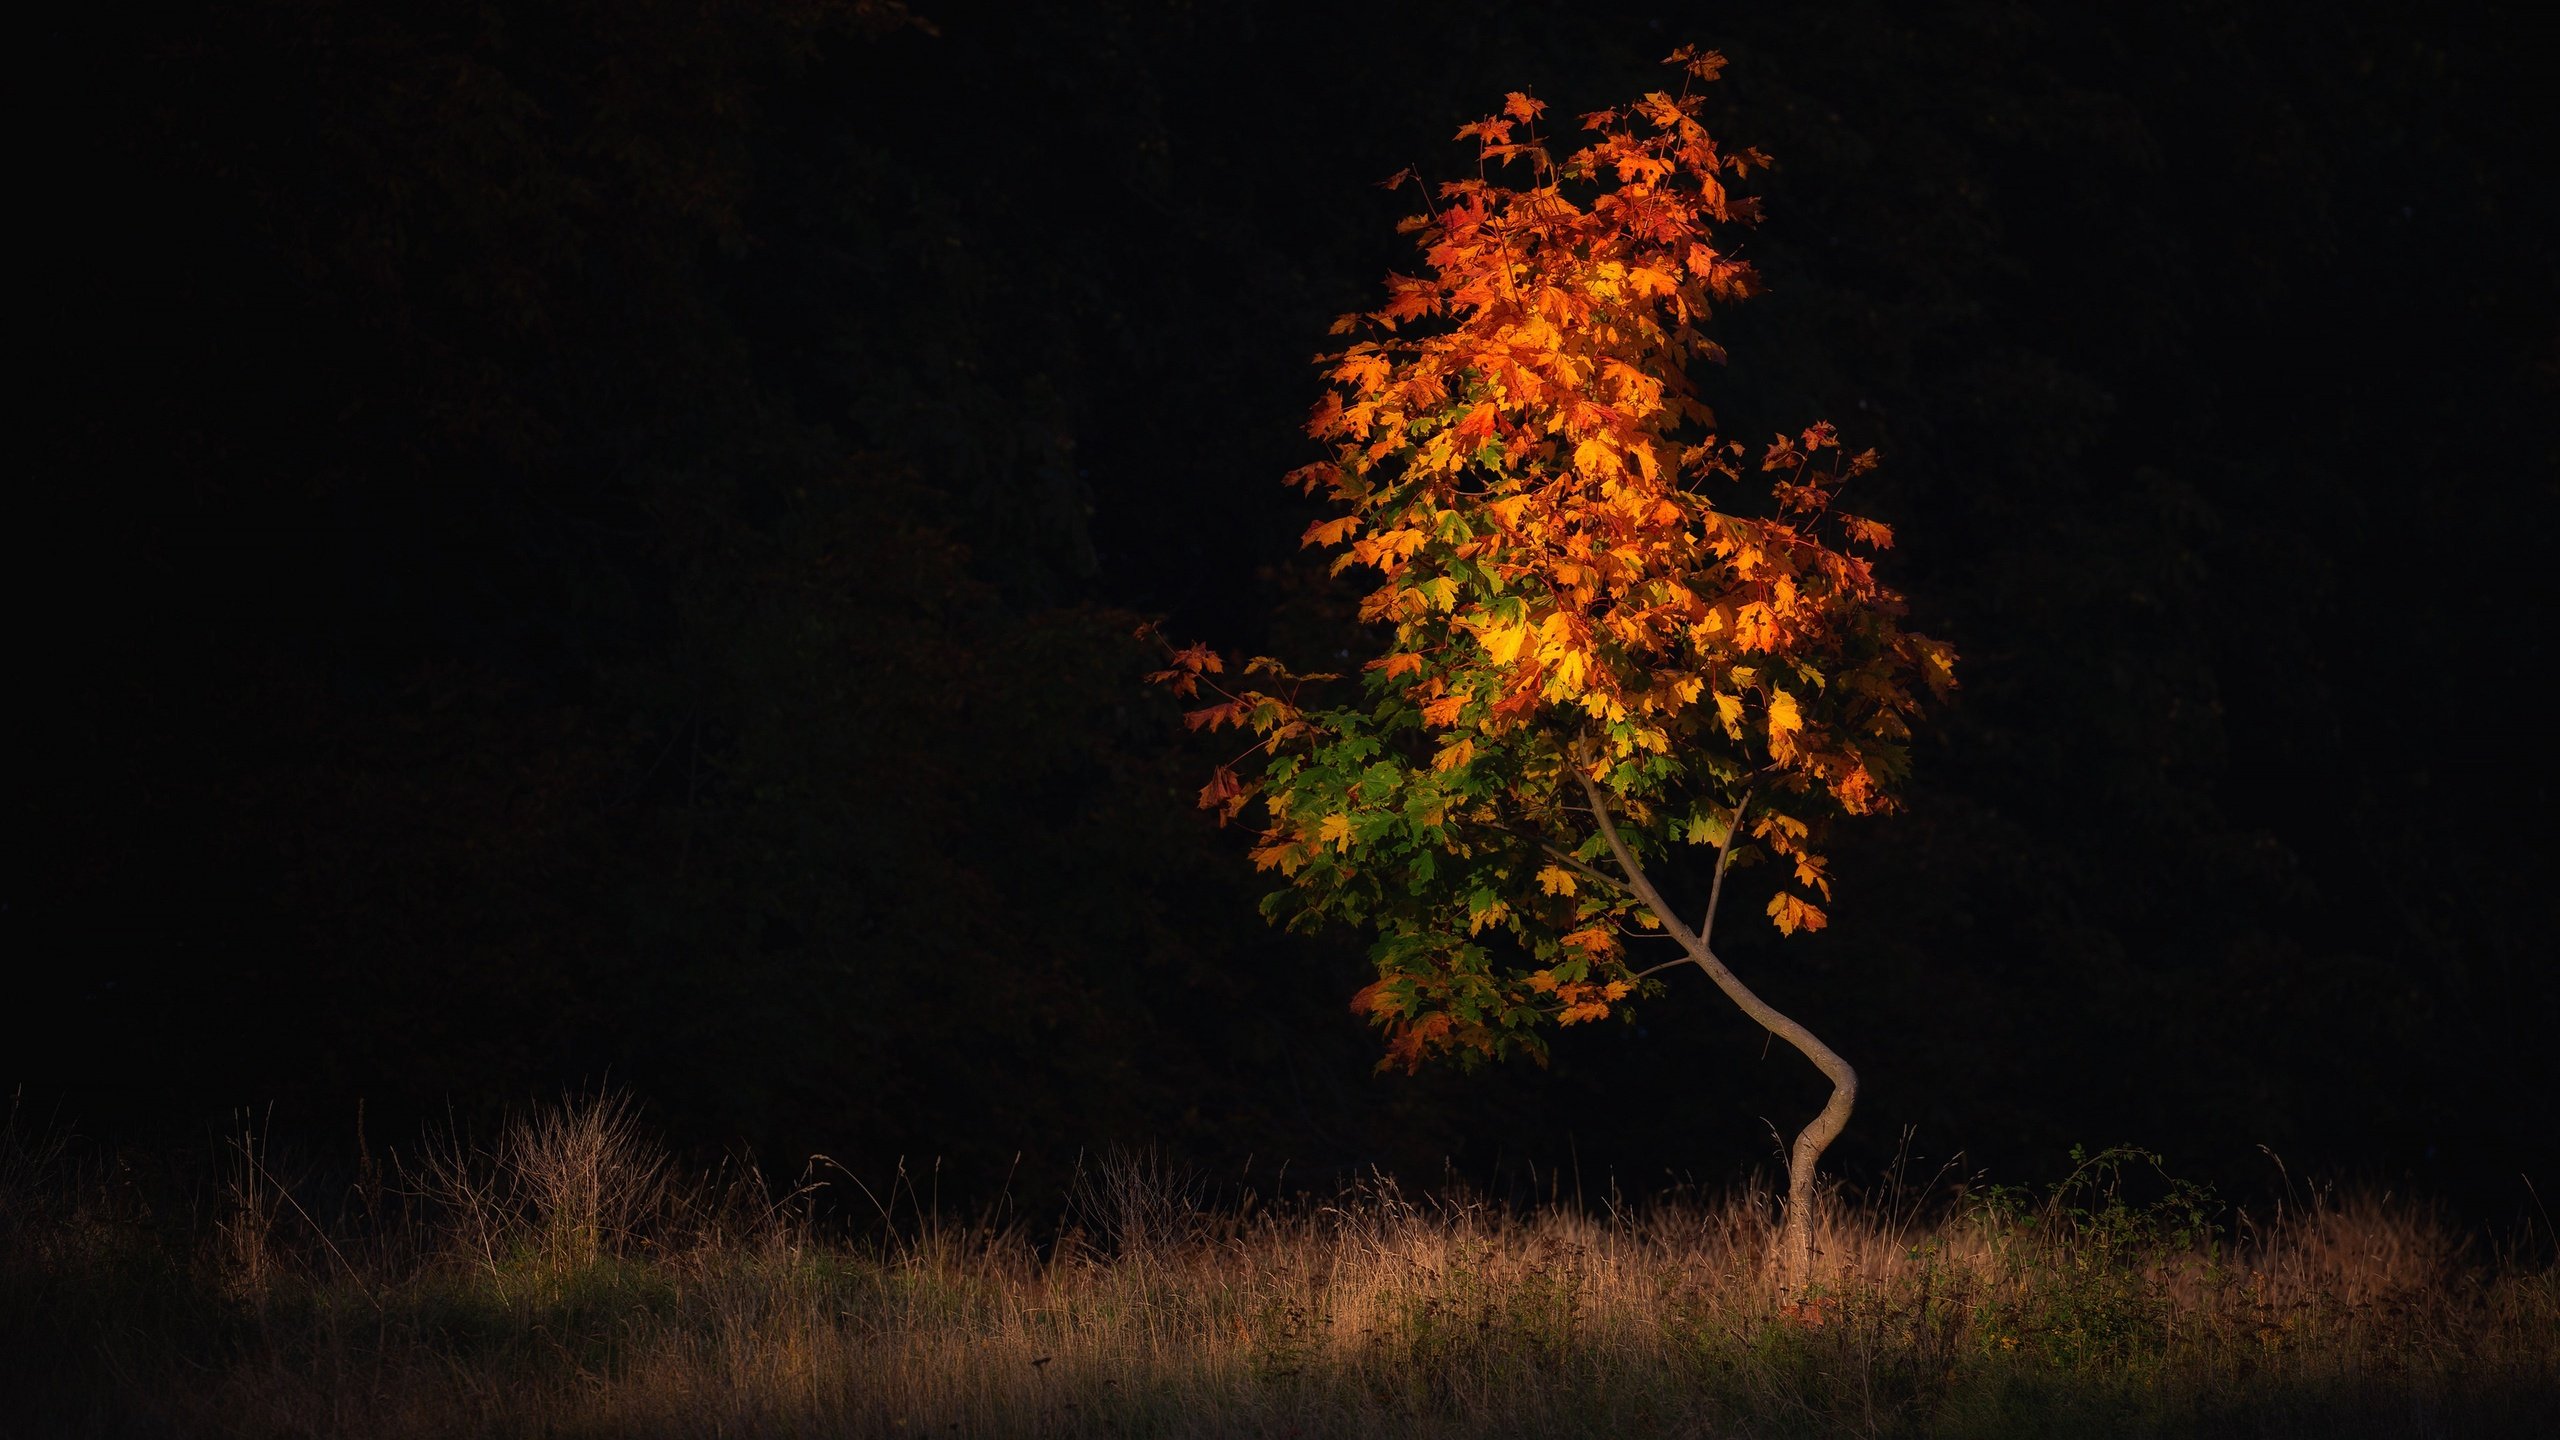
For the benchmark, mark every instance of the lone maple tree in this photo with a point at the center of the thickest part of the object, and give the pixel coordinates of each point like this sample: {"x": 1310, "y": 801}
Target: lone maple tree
{"x": 1602, "y": 644}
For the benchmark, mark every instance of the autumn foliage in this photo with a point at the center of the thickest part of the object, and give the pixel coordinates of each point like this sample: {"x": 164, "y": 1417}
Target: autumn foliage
{"x": 1586, "y": 595}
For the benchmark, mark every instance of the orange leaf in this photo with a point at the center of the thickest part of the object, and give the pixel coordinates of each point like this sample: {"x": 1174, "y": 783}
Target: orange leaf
{"x": 1210, "y": 717}
{"x": 1330, "y": 532}
{"x": 1592, "y": 941}
{"x": 1793, "y": 914}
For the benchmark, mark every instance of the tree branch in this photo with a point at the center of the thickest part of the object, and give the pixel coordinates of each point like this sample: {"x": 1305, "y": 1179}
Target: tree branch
{"x": 1724, "y": 857}
{"x": 1586, "y": 871}
{"x": 1636, "y": 880}
{"x": 1796, "y": 1241}
{"x": 1769, "y": 1016}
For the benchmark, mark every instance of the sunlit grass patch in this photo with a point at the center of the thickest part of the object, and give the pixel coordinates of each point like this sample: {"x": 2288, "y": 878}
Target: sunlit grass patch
{"x": 563, "y": 1281}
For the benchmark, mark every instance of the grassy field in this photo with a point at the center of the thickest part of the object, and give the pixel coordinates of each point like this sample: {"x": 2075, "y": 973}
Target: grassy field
{"x": 563, "y": 1280}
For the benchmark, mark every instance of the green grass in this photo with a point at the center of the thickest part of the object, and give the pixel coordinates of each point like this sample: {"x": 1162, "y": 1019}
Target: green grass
{"x": 560, "y": 1283}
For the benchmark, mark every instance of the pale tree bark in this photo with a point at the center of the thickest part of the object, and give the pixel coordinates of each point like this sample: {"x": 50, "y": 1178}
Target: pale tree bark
{"x": 1795, "y": 1233}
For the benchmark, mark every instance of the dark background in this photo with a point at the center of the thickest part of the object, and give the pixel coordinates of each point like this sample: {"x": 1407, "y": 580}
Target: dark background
{"x": 598, "y": 540}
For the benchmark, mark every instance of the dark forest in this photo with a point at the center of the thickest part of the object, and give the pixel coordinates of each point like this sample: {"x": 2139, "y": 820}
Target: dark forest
{"x": 573, "y": 544}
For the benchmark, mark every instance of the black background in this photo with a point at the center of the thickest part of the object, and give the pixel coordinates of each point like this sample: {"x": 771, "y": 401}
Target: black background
{"x": 598, "y": 541}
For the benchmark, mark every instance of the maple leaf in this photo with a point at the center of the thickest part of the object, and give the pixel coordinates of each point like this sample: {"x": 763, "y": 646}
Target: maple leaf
{"x": 1591, "y": 940}
{"x": 1556, "y": 880}
{"x": 1755, "y": 626}
{"x": 1224, "y": 793}
{"x": 1596, "y": 457}
{"x": 1707, "y": 67}
{"x": 1793, "y": 913}
{"x": 1475, "y": 427}
{"x": 1809, "y": 875}
{"x": 1502, "y": 643}
{"x": 1209, "y": 717}
{"x": 1326, "y": 418}
{"x": 1330, "y": 532}
{"x": 1875, "y": 535}
{"x": 1784, "y": 717}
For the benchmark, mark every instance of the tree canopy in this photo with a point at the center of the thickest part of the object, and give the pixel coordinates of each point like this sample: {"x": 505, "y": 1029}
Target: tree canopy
{"x": 1590, "y": 610}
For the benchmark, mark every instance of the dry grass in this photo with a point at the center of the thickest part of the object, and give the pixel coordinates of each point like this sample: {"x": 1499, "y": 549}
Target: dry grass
{"x": 561, "y": 1283}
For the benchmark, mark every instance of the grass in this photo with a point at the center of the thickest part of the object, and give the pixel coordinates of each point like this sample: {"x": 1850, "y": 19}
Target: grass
{"x": 564, "y": 1282}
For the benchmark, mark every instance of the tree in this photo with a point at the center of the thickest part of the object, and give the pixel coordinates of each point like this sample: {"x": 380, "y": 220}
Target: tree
{"x": 1603, "y": 646}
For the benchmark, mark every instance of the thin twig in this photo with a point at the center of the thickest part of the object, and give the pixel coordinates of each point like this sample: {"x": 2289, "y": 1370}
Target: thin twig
{"x": 1724, "y": 856}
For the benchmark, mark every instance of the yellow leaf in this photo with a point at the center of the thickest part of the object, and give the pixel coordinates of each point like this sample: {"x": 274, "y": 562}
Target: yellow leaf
{"x": 1454, "y": 754}
{"x": 1755, "y": 626}
{"x": 1809, "y": 874}
{"x": 1336, "y": 831}
{"x": 1774, "y": 827}
{"x": 1556, "y": 880}
{"x": 1596, "y": 457}
{"x": 1783, "y": 717}
{"x": 1564, "y": 681}
{"x": 1503, "y": 643}
{"x": 1708, "y": 827}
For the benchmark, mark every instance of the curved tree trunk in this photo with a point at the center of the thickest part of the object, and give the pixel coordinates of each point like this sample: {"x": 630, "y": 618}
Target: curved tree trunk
{"x": 1795, "y": 1234}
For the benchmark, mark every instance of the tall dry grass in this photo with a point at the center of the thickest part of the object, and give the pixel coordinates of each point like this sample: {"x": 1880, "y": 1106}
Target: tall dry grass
{"x": 563, "y": 1281}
